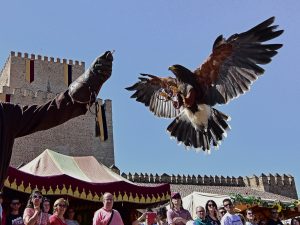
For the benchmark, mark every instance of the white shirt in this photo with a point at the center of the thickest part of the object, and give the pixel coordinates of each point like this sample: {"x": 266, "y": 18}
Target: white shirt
{"x": 231, "y": 219}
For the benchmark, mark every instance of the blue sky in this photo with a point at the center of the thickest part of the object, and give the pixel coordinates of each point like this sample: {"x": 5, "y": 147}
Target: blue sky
{"x": 149, "y": 36}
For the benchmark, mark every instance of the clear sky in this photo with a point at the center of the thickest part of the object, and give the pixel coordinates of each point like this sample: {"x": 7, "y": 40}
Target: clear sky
{"x": 149, "y": 36}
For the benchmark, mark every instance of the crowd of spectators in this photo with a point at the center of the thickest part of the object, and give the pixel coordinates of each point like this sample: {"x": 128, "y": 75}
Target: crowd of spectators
{"x": 37, "y": 212}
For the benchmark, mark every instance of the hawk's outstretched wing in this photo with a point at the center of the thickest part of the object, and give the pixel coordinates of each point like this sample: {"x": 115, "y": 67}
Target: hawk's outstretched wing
{"x": 232, "y": 66}
{"x": 156, "y": 93}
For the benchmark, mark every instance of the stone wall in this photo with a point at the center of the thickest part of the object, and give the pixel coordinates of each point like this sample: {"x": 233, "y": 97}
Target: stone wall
{"x": 48, "y": 72}
{"x": 75, "y": 137}
{"x": 278, "y": 184}
{"x": 282, "y": 185}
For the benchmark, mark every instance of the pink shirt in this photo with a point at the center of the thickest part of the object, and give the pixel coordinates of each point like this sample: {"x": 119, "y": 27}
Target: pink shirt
{"x": 102, "y": 216}
{"x": 43, "y": 218}
{"x": 183, "y": 213}
{"x": 54, "y": 220}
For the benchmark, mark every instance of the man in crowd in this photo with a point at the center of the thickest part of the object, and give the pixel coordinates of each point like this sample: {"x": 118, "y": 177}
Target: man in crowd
{"x": 107, "y": 215}
{"x": 17, "y": 121}
{"x": 201, "y": 217}
{"x": 14, "y": 217}
{"x": 274, "y": 220}
{"x": 230, "y": 218}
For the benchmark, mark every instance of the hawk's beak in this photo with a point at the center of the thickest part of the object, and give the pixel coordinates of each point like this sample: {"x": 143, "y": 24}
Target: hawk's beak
{"x": 171, "y": 68}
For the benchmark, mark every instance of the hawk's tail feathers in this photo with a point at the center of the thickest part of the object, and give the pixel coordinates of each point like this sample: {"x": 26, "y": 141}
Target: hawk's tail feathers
{"x": 185, "y": 132}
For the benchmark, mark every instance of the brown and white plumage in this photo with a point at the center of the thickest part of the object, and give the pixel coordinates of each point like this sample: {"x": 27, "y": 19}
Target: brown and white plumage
{"x": 227, "y": 73}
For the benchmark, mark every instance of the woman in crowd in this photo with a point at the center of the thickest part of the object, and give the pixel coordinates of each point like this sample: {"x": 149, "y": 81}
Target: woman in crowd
{"x": 46, "y": 206}
{"x": 71, "y": 217}
{"x": 212, "y": 212}
{"x": 59, "y": 209}
{"x": 177, "y": 215}
{"x": 221, "y": 211}
{"x": 250, "y": 218}
{"x": 33, "y": 214}
{"x": 162, "y": 216}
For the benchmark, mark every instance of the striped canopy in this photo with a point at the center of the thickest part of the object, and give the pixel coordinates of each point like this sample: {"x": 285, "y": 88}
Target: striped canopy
{"x": 81, "y": 177}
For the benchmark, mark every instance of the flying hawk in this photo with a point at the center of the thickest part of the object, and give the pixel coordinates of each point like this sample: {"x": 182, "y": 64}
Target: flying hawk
{"x": 227, "y": 73}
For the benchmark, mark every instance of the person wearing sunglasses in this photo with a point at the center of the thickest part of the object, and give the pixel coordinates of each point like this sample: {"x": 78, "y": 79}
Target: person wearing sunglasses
{"x": 14, "y": 217}
{"x": 230, "y": 218}
{"x": 33, "y": 214}
{"x": 221, "y": 211}
{"x": 274, "y": 220}
{"x": 250, "y": 217}
{"x": 59, "y": 208}
{"x": 212, "y": 212}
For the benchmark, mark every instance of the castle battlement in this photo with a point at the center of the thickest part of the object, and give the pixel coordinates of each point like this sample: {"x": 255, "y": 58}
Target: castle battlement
{"x": 37, "y": 72}
{"x": 278, "y": 180}
{"x": 278, "y": 184}
{"x": 185, "y": 179}
{"x": 25, "y": 55}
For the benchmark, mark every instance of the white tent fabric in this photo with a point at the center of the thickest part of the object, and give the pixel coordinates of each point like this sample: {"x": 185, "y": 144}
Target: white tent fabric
{"x": 191, "y": 201}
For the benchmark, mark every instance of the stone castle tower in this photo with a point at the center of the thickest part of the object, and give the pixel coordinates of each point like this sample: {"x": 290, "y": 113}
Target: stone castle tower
{"x": 34, "y": 79}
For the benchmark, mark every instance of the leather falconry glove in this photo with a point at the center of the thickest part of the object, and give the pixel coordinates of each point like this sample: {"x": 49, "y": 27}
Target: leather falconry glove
{"x": 86, "y": 87}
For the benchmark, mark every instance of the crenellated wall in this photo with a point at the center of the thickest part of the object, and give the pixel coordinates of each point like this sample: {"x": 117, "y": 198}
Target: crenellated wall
{"x": 185, "y": 179}
{"x": 49, "y": 73}
{"x": 75, "y": 137}
{"x": 278, "y": 184}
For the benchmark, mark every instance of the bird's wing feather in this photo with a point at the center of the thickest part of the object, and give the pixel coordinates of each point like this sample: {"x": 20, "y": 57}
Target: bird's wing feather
{"x": 233, "y": 65}
{"x": 154, "y": 92}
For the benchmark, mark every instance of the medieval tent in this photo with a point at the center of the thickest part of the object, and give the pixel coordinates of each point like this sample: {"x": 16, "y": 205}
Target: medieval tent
{"x": 191, "y": 201}
{"x": 83, "y": 180}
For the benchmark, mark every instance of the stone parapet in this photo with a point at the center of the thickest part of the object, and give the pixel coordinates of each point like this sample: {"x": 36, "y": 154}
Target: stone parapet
{"x": 36, "y": 72}
{"x": 277, "y": 184}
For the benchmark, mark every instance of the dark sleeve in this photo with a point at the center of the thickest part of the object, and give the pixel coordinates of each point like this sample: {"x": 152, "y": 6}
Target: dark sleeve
{"x": 8, "y": 220}
{"x": 24, "y": 120}
{"x": 189, "y": 217}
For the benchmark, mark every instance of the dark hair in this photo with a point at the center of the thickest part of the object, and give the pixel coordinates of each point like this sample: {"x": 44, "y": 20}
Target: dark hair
{"x": 227, "y": 200}
{"x": 172, "y": 205}
{"x": 45, "y": 199}
{"x": 214, "y": 204}
{"x": 162, "y": 212}
{"x": 29, "y": 202}
{"x": 14, "y": 198}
